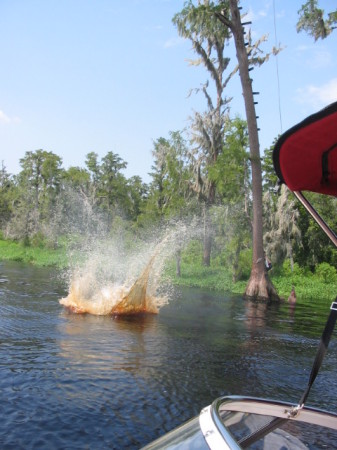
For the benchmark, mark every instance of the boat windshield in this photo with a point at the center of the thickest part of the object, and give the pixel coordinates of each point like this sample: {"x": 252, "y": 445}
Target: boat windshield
{"x": 262, "y": 424}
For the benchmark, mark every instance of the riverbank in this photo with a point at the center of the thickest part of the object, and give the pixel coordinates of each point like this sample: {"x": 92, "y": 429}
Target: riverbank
{"x": 218, "y": 278}
{"x": 39, "y": 256}
{"x": 308, "y": 287}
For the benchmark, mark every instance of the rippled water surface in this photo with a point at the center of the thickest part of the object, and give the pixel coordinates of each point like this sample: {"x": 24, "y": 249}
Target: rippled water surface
{"x": 79, "y": 381}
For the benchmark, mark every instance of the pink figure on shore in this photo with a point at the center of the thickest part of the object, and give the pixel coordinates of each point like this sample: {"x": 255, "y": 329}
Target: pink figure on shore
{"x": 292, "y": 297}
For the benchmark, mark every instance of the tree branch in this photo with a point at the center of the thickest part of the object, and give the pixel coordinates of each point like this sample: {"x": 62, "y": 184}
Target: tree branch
{"x": 224, "y": 20}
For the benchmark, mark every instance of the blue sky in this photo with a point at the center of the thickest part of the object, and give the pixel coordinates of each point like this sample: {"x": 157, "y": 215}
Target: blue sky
{"x": 112, "y": 75}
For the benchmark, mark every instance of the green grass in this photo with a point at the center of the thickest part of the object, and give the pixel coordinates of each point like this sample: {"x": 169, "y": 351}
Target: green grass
{"x": 310, "y": 288}
{"x": 219, "y": 279}
{"x": 14, "y": 251}
{"x": 210, "y": 278}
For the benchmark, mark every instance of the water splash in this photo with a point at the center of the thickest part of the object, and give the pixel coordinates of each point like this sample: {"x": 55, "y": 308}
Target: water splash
{"x": 108, "y": 281}
{"x": 92, "y": 292}
{"x": 114, "y": 298}
{"x": 137, "y": 301}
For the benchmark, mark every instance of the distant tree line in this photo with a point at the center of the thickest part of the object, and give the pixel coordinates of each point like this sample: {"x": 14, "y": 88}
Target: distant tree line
{"x": 44, "y": 202}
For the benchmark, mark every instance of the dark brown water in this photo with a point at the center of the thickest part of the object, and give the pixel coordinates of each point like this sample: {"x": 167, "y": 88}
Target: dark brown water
{"x": 72, "y": 381}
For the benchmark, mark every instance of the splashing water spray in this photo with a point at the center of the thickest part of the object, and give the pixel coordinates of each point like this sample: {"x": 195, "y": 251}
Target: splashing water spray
{"x": 94, "y": 290}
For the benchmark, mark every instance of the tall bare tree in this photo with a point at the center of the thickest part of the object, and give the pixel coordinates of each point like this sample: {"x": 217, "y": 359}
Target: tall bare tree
{"x": 259, "y": 285}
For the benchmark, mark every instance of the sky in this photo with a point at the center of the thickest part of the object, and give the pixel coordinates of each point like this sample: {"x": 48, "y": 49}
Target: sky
{"x": 80, "y": 76}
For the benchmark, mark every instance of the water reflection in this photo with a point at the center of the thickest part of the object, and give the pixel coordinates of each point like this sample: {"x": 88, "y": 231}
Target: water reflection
{"x": 291, "y": 309}
{"x": 117, "y": 342}
{"x": 255, "y": 315}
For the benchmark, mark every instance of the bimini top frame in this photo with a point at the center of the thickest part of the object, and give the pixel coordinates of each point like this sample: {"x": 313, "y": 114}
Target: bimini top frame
{"x": 305, "y": 159}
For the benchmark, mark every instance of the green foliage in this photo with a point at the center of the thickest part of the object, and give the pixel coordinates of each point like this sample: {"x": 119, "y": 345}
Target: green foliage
{"x": 14, "y": 251}
{"x": 192, "y": 253}
{"x": 307, "y": 288}
{"x": 231, "y": 171}
{"x": 197, "y": 275}
{"x": 326, "y": 273}
{"x": 77, "y": 177}
{"x": 270, "y": 178}
{"x": 38, "y": 240}
{"x": 169, "y": 193}
{"x": 312, "y": 20}
{"x": 197, "y": 22}
{"x": 245, "y": 263}
{"x": 315, "y": 247}
{"x": 289, "y": 272}
{"x": 7, "y": 196}
{"x": 36, "y": 191}
{"x": 137, "y": 192}
{"x": 26, "y": 241}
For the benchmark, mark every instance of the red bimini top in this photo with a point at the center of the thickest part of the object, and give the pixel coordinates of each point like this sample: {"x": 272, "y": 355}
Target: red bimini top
{"x": 305, "y": 156}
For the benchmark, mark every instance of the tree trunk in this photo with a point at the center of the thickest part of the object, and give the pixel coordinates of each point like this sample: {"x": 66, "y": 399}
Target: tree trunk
{"x": 178, "y": 261}
{"x": 206, "y": 260}
{"x": 207, "y": 248}
{"x": 236, "y": 274}
{"x": 291, "y": 256}
{"x": 206, "y": 257}
{"x": 259, "y": 285}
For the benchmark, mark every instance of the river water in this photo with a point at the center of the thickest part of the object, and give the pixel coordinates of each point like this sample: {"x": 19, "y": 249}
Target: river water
{"x": 72, "y": 381}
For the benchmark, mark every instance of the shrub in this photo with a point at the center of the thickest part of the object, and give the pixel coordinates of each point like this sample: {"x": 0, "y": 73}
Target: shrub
{"x": 326, "y": 273}
{"x": 26, "y": 241}
{"x": 245, "y": 264}
{"x": 192, "y": 253}
{"x": 38, "y": 240}
{"x": 297, "y": 270}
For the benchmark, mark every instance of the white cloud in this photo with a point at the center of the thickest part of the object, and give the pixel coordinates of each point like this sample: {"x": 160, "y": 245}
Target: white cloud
{"x": 317, "y": 57}
{"x": 173, "y": 42}
{"x": 251, "y": 16}
{"x": 318, "y": 96}
{"x": 4, "y": 119}
{"x": 260, "y": 14}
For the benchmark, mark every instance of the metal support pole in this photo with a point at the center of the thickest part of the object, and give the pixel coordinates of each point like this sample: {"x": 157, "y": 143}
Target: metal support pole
{"x": 311, "y": 210}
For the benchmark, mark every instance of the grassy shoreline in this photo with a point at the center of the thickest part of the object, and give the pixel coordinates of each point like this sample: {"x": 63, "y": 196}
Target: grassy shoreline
{"x": 192, "y": 275}
{"x": 308, "y": 288}
{"x": 42, "y": 257}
